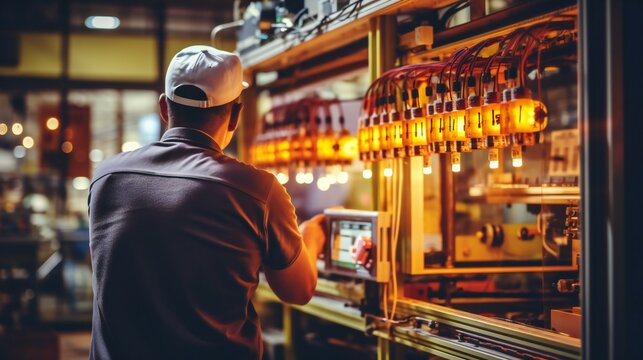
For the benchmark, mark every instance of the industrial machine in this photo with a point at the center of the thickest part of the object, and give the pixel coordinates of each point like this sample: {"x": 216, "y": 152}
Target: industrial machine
{"x": 468, "y": 138}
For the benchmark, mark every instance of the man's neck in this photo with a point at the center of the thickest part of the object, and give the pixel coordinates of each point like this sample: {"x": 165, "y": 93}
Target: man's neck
{"x": 217, "y": 134}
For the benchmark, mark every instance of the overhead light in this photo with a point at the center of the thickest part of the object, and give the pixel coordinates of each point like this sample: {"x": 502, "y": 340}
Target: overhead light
{"x": 96, "y": 155}
{"x": 102, "y": 22}
{"x": 3, "y": 129}
{"x": 52, "y": 123}
{"x": 322, "y": 184}
{"x": 67, "y": 147}
{"x": 27, "y": 142}
{"x": 282, "y": 177}
{"x": 342, "y": 177}
{"x": 130, "y": 146}
{"x": 17, "y": 128}
{"x": 80, "y": 183}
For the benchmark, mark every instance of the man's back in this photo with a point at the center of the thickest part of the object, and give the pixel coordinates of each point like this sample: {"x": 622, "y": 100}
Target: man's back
{"x": 179, "y": 232}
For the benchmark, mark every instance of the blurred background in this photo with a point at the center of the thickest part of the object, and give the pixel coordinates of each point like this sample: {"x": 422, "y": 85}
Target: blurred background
{"x": 79, "y": 82}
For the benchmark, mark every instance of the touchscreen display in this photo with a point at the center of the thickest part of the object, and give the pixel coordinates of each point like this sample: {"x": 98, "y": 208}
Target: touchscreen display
{"x": 344, "y": 233}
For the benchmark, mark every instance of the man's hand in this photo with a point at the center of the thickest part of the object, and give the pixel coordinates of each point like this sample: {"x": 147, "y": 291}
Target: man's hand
{"x": 313, "y": 231}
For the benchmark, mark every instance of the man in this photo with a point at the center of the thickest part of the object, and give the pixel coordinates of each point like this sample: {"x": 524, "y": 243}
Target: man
{"x": 179, "y": 231}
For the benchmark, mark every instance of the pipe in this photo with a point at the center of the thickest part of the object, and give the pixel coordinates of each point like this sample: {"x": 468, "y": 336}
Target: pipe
{"x": 217, "y": 29}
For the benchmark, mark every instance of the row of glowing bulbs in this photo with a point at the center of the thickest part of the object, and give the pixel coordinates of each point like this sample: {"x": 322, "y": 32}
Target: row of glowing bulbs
{"x": 333, "y": 151}
{"x": 469, "y": 125}
{"x": 325, "y": 148}
{"x": 333, "y": 174}
{"x": 28, "y": 142}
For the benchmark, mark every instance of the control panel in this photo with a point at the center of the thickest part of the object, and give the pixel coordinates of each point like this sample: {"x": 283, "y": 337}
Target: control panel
{"x": 358, "y": 244}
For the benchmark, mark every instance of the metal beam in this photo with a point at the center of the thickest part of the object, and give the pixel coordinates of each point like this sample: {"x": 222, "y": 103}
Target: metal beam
{"x": 611, "y": 146}
{"x": 629, "y": 255}
{"x": 17, "y": 83}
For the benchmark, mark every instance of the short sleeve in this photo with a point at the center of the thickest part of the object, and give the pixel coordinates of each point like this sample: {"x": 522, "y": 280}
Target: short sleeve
{"x": 283, "y": 240}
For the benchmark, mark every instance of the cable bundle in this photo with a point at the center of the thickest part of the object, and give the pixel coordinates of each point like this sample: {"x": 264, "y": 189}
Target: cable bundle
{"x": 457, "y": 105}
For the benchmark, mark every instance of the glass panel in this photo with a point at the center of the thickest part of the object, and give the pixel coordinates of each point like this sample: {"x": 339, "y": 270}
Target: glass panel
{"x": 516, "y": 245}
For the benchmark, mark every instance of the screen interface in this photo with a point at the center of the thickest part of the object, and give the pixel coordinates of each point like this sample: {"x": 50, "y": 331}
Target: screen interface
{"x": 344, "y": 233}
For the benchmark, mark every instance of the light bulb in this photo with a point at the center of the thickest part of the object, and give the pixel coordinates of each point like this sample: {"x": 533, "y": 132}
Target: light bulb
{"x": 427, "y": 169}
{"x": 282, "y": 177}
{"x": 27, "y": 142}
{"x": 17, "y": 128}
{"x": 494, "y": 155}
{"x": 67, "y": 147}
{"x": 300, "y": 178}
{"x": 80, "y": 183}
{"x": 516, "y": 156}
{"x": 516, "y": 162}
{"x": 331, "y": 177}
{"x": 455, "y": 162}
{"x": 130, "y": 146}
{"x": 388, "y": 172}
{"x": 52, "y": 123}
{"x": 367, "y": 173}
{"x": 96, "y": 155}
{"x": 322, "y": 184}
{"x": 308, "y": 177}
{"x": 342, "y": 177}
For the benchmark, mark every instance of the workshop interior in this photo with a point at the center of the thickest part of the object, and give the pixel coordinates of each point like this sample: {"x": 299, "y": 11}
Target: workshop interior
{"x": 477, "y": 162}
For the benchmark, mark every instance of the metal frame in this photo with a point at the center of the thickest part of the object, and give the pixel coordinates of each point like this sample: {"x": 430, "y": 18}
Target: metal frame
{"x": 611, "y": 187}
{"x": 286, "y": 51}
{"x": 556, "y": 344}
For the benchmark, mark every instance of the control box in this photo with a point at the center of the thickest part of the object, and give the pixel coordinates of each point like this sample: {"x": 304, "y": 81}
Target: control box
{"x": 358, "y": 244}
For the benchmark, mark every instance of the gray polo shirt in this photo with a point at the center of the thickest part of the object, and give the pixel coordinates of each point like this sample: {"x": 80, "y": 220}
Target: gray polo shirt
{"x": 178, "y": 233}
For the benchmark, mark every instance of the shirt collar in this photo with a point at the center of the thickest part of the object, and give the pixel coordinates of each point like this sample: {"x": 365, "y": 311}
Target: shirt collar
{"x": 190, "y": 135}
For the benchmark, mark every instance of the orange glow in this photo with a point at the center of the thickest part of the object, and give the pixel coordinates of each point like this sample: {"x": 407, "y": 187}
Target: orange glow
{"x": 347, "y": 146}
{"x": 374, "y": 134}
{"x": 491, "y": 115}
{"x": 385, "y": 133}
{"x": 473, "y": 127}
{"x": 271, "y": 149}
{"x": 67, "y": 147}
{"x": 505, "y": 116}
{"x": 326, "y": 146}
{"x": 397, "y": 134}
{"x": 364, "y": 141}
{"x": 308, "y": 150}
{"x": 418, "y": 131}
{"x": 283, "y": 151}
{"x": 523, "y": 118}
{"x": 456, "y": 123}
{"x": 295, "y": 148}
{"x": 438, "y": 124}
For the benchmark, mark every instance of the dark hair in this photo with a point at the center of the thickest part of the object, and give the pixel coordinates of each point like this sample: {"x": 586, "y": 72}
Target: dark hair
{"x": 193, "y": 115}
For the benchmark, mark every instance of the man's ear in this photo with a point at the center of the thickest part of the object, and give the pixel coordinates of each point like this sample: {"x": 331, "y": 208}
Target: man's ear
{"x": 235, "y": 116}
{"x": 163, "y": 108}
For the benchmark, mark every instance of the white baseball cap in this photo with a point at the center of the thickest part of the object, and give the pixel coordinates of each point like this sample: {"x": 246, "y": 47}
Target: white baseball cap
{"x": 217, "y": 73}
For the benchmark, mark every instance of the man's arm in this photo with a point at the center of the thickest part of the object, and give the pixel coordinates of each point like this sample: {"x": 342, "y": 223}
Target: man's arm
{"x": 296, "y": 283}
{"x": 290, "y": 260}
